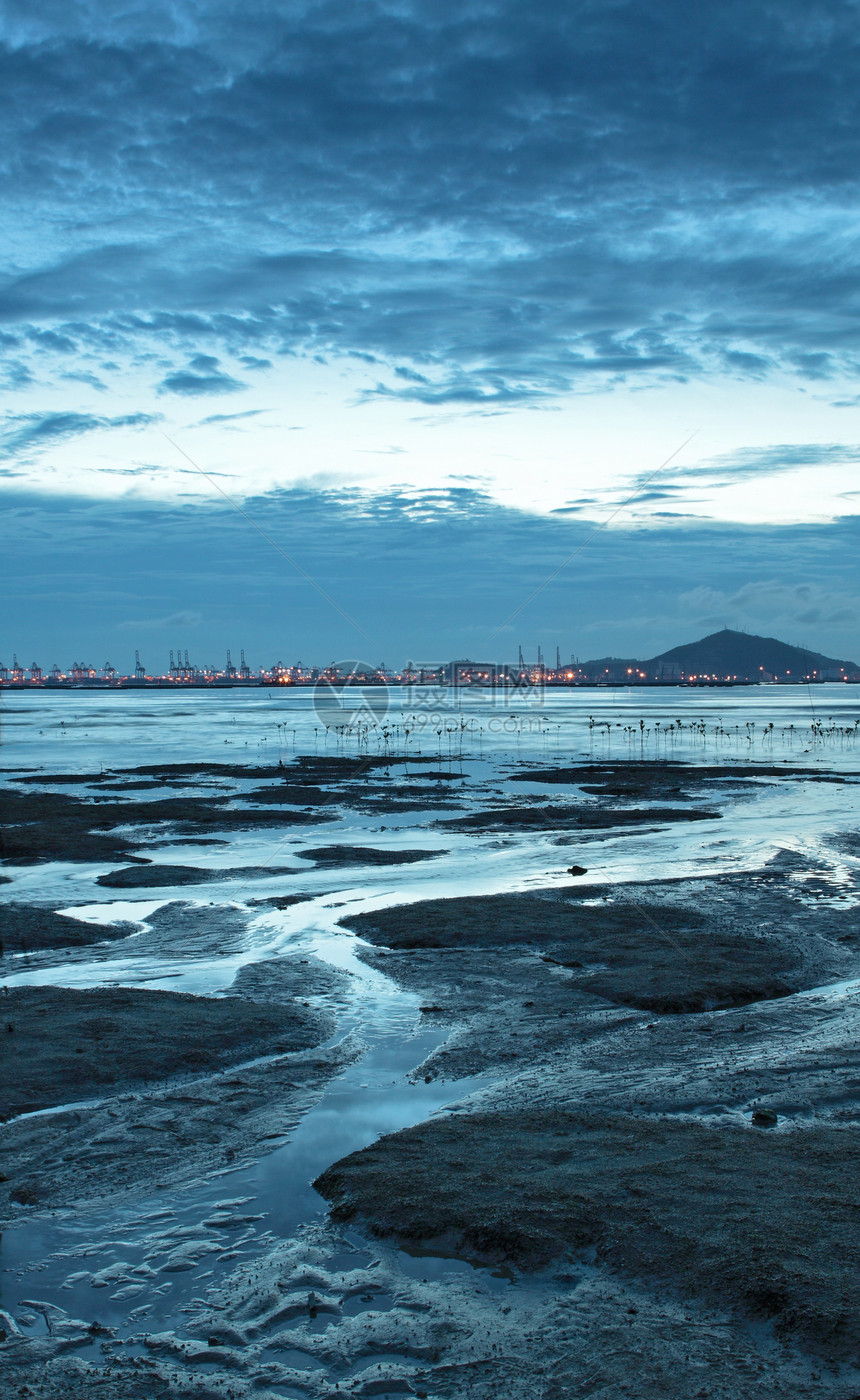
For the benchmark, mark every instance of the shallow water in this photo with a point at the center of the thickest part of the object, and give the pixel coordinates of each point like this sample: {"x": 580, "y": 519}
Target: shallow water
{"x": 483, "y": 742}
{"x": 77, "y": 731}
{"x": 274, "y": 1195}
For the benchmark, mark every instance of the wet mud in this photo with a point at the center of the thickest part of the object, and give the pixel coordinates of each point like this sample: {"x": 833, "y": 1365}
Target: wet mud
{"x": 668, "y": 948}
{"x": 656, "y": 781}
{"x": 365, "y": 855}
{"x": 27, "y": 929}
{"x": 711, "y": 1152}
{"x": 57, "y": 826}
{"x": 157, "y": 876}
{"x": 758, "y": 1220}
{"x": 60, "y": 1043}
{"x": 51, "y": 825}
{"x": 555, "y": 818}
{"x": 156, "y": 1087}
{"x": 656, "y": 1176}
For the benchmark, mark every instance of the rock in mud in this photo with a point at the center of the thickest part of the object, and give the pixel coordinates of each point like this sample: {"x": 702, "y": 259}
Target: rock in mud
{"x": 764, "y": 1118}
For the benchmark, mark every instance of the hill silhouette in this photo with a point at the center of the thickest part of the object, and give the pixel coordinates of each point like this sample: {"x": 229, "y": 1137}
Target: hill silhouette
{"x": 744, "y": 656}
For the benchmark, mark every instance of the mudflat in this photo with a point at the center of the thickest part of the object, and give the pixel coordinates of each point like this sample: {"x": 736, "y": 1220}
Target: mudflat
{"x": 660, "y": 1158}
{"x": 153, "y": 875}
{"x": 710, "y": 1153}
{"x": 691, "y": 955}
{"x": 25, "y": 928}
{"x": 91, "y": 826}
{"x": 58, "y": 826}
{"x": 762, "y": 1220}
{"x": 365, "y": 855}
{"x": 550, "y": 818}
{"x": 58, "y": 1043}
{"x": 655, "y": 780}
{"x": 148, "y": 1087}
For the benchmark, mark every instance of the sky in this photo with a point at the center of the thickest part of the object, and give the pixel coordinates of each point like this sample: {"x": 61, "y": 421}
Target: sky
{"x": 413, "y": 330}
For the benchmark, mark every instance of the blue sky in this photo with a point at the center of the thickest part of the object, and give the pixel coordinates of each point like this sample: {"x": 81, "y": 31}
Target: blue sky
{"x": 431, "y": 291}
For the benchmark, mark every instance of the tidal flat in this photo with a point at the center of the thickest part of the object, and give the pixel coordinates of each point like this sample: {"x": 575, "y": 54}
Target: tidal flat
{"x": 404, "y": 1106}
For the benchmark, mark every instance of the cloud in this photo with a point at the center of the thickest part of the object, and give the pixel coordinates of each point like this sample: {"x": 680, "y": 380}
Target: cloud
{"x": 650, "y": 191}
{"x": 463, "y": 563}
{"x": 772, "y": 603}
{"x": 183, "y": 382}
{"x": 23, "y": 434}
{"x": 183, "y": 618}
{"x": 746, "y": 464}
{"x": 202, "y": 376}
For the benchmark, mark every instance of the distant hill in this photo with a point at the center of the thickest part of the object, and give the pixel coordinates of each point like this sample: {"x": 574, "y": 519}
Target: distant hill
{"x": 745, "y": 657}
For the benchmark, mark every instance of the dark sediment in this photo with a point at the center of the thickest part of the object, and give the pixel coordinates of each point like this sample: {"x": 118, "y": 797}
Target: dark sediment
{"x": 279, "y": 979}
{"x": 617, "y": 1148}
{"x": 664, "y": 957}
{"x": 364, "y": 855}
{"x": 178, "y": 929}
{"x": 51, "y": 825}
{"x": 56, "y": 826}
{"x": 198, "y": 1104}
{"x": 652, "y": 780}
{"x": 155, "y": 773}
{"x": 536, "y": 818}
{"x": 59, "y": 1044}
{"x": 715, "y": 1209}
{"x": 710, "y": 1153}
{"x": 36, "y": 1372}
{"x": 38, "y": 826}
{"x": 524, "y": 976}
{"x": 188, "y": 841}
{"x": 327, "y": 769}
{"x": 308, "y": 769}
{"x": 26, "y": 929}
{"x": 181, "y": 929}
{"x": 154, "y": 876}
{"x": 282, "y": 901}
{"x": 286, "y": 794}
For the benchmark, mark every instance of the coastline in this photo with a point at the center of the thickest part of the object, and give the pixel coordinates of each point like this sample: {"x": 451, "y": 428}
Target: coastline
{"x": 596, "y": 1030}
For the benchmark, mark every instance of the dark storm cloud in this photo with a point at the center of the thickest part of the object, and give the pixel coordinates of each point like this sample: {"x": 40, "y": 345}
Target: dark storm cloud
{"x": 506, "y": 200}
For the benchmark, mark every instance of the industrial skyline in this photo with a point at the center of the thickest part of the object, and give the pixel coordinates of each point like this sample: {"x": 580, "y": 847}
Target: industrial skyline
{"x": 682, "y": 666}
